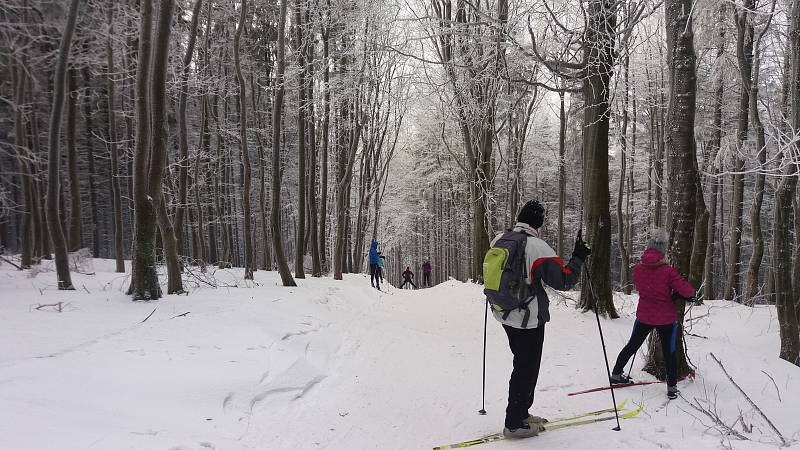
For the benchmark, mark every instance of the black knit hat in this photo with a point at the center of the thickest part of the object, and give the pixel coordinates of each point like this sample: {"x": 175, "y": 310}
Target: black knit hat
{"x": 532, "y": 213}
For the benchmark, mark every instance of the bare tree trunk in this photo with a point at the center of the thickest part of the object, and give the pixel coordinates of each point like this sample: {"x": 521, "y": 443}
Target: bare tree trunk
{"x": 75, "y": 241}
{"x": 326, "y": 120}
{"x": 562, "y": 173}
{"x": 300, "y": 237}
{"x": 785, "y": 294}
{"x": 316, "y": 264}
{"x": 90, "y": 159}
{"x": 277, "y": 171}
{"x": 712, "y": 167}
{"x": 624, "y": 272}
{"x": 116, "y": 200}
{"x": 26, "y": 184}
{"x": 159, "y": 140}
{"x": 752, "y": 287}
{"x": 170, "y": 245}
{"x": 249, "y": 260}
{"x": 680, "y": 142}
{"x": 151, "y": 140}
{"x": 183, "y": 138}
{"x": 744, "y": 54}
{"x": 597, "y": 50}
{"x": 54, "y": 155}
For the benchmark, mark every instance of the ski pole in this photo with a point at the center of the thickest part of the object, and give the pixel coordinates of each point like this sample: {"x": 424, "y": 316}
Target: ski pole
{"x": 631, "y": 367}
{"x": 603, "y": 343}
{"x": 482, "y": 411}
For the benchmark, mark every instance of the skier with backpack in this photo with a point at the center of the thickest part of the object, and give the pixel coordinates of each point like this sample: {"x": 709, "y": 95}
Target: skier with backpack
{"x": 374, "y": 260}
{"x": 658, "y": 283}
{"x": 515, "y": 269}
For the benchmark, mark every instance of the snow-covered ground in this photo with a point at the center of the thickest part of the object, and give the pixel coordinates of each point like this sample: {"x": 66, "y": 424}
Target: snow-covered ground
{"x": 338, "y": 365}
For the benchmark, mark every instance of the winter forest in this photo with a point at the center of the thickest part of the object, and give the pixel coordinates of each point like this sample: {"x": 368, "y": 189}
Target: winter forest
{"x": 180, "y": 138}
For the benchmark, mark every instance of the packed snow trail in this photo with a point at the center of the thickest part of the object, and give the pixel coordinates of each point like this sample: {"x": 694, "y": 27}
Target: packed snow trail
{"x": 340, "y": 365}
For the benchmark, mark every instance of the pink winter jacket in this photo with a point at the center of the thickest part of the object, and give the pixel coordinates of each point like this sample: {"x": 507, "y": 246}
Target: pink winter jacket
{"x": 656, "y": 280}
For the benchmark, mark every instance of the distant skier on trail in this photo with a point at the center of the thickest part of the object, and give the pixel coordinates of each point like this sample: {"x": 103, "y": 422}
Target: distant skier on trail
{"x": 426, "y": 274}
{"x": 514, "y": 270}
{"x": 408, "y": 277}
{"x": 374, "y": 260}
{"x": 656, "y": 282}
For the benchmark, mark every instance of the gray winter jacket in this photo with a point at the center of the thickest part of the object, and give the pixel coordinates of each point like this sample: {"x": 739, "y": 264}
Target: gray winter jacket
{"x": 544, "y": 267}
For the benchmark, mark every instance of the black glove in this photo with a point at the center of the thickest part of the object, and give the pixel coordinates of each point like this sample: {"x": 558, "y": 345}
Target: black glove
{"x": 581, "y": 251}
{"x": 695, "y": 300}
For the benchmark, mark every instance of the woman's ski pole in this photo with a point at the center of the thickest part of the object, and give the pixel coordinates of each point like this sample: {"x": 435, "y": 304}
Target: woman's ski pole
{"x": 603, "y": 342}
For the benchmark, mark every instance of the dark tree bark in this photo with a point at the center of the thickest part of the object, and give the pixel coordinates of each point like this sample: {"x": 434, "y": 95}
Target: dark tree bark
{"x": 54, "y": 155}
{"x": 744, "y": 55}
{"x": 300, "y": 237}
{"x": 326, "y": 120}
{"x": 625, "y": 270}
{"x": 712, "y": 167}
{"x": 90, "y": 159}
{"x": 313, "y": 238}
{"x": 116, "y": 200}
{"x": 151, "y": 141}
{"x": 682, "y": 163}
{"x": 249, "y": 259}
{"x": 786, "y": 298}
{"x": 752, "y": 286}
{"x": 26, "y": 184}
{"x": 277, "y": 112}
{"x": 562, "y": 173}
{"x": 183, "y": 137}
{"x": 598, "y": 54}
{"x": 75, "y": 234}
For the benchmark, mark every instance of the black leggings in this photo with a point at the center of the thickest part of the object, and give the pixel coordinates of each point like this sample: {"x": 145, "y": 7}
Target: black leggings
{"x": 374, "y": 274}
{"x": 407, "y": 280}
{"x": 668, "y": 335}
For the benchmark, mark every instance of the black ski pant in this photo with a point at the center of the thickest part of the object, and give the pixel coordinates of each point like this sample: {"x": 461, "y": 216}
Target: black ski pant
{"x": 407, "y": 280}
{"x": 668, "y": 335}
{"x": 374, "y": 274}
{"x": 526, "y": 345}
{"x": 426, "y": 279}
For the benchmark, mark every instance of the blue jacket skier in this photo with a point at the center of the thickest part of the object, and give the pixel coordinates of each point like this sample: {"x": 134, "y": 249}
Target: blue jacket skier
{"x": 374, "y": 260}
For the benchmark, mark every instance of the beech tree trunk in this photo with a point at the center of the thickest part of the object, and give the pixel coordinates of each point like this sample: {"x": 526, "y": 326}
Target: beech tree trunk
{"x": 277, "y": 112}
{"x": 249, "y": 260}
{"x": 744, "y": 55}
{"x": 786, "y": 298}
{"x": 300, "y": 237}
{"x": 598, "y": 52}
{"x": 752, "y": 288}
{"x": 712, "y": 167}
{"x": 72, "y": 164}
{"x": 116, "y": 196}
{"x": 682, "y": 163}
{"x": 183, "y": 135}
{"x": 54, "y": 155}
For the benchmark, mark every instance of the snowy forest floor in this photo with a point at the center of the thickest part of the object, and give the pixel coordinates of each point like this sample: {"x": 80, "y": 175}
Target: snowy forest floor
{"x": 339, "y": 365}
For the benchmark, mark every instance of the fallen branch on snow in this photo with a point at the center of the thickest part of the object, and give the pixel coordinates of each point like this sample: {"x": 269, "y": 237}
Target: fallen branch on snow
{"x": 749, "y": 400}
{"x": 181, "y": 315}
{"x": 3, "y": 258}
{"x": 774, "y": 384}
{"x": 58, "y": 306}
{"x": 712, "y": 414}
{"x": 148, "y": 316}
